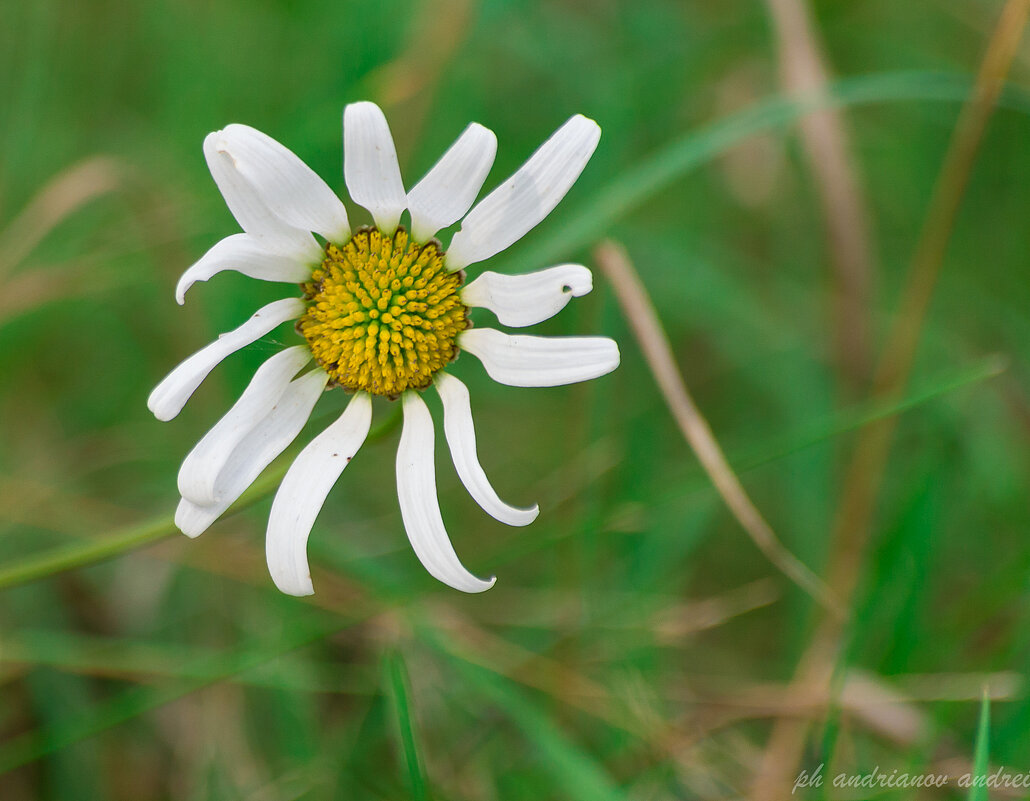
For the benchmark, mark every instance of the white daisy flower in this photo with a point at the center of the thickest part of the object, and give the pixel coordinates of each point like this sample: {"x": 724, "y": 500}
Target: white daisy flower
{"x": 383, "y": 312}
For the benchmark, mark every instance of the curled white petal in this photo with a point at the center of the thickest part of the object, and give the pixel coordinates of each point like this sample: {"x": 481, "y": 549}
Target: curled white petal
{"x": 251, "y": 212}
{"x": 461, "y": 439}
{"x": 520, "y": 300}
{"x": 450, "y": 188}
{"x": 420, "y": 510}
{"x": 198, "y": 475}
{"x": 528, "y": 361}
{"x": 244, "y": 254}
{"x": 303, "y": 492}
{"x": 193, "y": 520}
{"x": 370, "y": 164}
{"x": 168, "y": 397}
{"x": 284, "y": 183}
{"x": 270, "y": 437}
{"x": 516, "y": 206}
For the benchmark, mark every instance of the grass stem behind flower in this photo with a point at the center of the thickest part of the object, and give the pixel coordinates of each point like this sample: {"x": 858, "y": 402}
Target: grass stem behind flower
{"x": 643, "y": 319}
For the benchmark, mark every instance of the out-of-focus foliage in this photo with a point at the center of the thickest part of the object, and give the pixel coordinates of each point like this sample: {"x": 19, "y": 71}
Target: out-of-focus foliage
{"x": 636, "y": 643}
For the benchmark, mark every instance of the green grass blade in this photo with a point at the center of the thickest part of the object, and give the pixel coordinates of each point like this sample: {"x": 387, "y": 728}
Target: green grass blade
{"x": 863, "y": 414}
{"x": 981, "y": 758}
{"x": 397, "y": 676}
{"x": 84, "y": 723}
{"x": 79, "y": 554}
{"x": 656, "y": 173}
{"x": 577, "y": 775}
{"x": 772, "y": 449}
{"x": 149, "y": 661}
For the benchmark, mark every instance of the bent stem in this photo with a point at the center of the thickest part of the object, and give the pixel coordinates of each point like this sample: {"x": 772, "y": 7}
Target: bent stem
{"x": 643, "y": 319}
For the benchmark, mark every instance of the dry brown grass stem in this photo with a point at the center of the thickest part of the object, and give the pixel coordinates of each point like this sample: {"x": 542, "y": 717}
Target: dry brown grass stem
{"x": 408, "y": 84}
{"x": 643, "y": 320}
{"x": 866, "y": 469}
{"x": 46, "y": 284}
{"x": 828, "y": 153}
{"x": 63, "y": 195}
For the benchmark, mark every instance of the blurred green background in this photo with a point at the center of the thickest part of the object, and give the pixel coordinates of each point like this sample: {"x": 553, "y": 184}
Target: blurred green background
{"x": 637, "y": 645}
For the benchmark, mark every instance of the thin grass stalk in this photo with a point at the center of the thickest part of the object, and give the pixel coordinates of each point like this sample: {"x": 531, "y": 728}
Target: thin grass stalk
{"x": 647, "y": 328}
{"x": 824, "y": 138}
{"x": 865, "y": 472}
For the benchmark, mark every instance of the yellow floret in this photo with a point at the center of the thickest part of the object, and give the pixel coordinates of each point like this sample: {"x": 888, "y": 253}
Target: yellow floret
{"x": 411, "y": 305}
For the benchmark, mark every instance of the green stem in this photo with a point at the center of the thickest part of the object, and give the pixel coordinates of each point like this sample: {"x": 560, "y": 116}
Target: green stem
{"x": 76, "y": 555}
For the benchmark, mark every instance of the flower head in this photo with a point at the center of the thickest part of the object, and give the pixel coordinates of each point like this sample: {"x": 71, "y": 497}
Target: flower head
{"x": 382, "y": 312}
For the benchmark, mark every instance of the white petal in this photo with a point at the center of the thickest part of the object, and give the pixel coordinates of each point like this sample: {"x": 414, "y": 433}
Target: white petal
{"x": 527, "y": 361}
{"x": 303, "y": 492}
{"x": 450, "y": 188}
{"x": 193, "y": 520}
{"x": 250, "y": 210}
{"x": 520, "y": 300}
{"x": 516, "y": 206}
{"x": 244, "y": 254}
{"x": 370, "y": 164}
{"x": 200, "y": 469}
{"x": 285, "y": 184}
{"x": 461, "y": 438}
{"x": 420, "y": 510}
{"x": 258, "y": 449}
{"x": 168, "y": 398}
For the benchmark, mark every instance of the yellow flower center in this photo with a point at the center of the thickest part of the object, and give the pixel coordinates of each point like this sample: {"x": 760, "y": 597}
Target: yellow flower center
{"x": 384, "y": 314}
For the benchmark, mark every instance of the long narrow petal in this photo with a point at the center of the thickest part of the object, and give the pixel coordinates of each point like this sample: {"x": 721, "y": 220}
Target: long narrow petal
{"x": 201, "y": 467}
{"x": 420, "y": 510}
{"x": 527, "y": 361}
{"x": 244, "y": 254}
{"x": 370, "y": 164}
{"x": 250, "y": 210}
{"x": 168, "y": 397}
{"x": 461, "y": 438}
{"x": 258, "y": 449}
{"x": 451, "y": 187}
{"x": 303, "y": 492}
{"x": 516, "y": 206}
{"x": 285, "y": 184}
{"x": 520, "y": 300}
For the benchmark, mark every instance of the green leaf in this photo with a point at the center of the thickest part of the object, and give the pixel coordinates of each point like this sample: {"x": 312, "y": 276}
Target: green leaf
{"x": 397, "y": 676}
{"x": 80, "y": 724}
{"x": 657, "y": 172}
{"x": 577, "y": 774}
{"x": 981, "y": 759}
